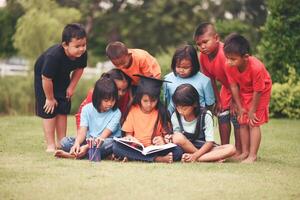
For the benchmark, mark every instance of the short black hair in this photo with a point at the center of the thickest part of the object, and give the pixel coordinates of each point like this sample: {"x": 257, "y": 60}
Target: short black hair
{"x": 105, "y": 88}
{"x": 187, "y": 95}
{"x": 236, "y": 44}
{"x": 73, "y": 30}
{"x": 115, "y": 50}
{"x": 202, "y": 28}
{"x": 117, "y": 74}
{"x": 186, "y": 52}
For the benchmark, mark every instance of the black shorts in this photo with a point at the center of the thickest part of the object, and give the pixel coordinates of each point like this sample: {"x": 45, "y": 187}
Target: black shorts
{"x": 63, "y": 108}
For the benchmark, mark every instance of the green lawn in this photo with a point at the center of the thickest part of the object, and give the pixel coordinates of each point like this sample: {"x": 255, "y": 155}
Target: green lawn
{"x": 27, "y": 172}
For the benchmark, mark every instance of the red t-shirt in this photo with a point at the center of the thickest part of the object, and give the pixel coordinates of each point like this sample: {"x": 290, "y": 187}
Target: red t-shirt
{"x": 122, "y": 105}
{"x": 215, "y": 69}
{"x": 254, "y": 78}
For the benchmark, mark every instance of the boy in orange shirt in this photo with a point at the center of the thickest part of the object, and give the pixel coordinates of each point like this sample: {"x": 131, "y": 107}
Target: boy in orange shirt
{"x": 133, "y": 61}
{"x": 212, "y": 60}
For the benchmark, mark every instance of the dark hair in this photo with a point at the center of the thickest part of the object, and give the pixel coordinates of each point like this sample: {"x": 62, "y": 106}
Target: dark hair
{"x": 117, "y": 74}
{"x": 73, "y": 31}
{"x": 186, "y": 52}
{"x": 202, "y": 28}
{"x": 236, "y": 44}
{"x": 187, "y": 95}
{"x": 115, "y": 50}
{"x": 163, "y": 114}
{"x": 105, "y": 88}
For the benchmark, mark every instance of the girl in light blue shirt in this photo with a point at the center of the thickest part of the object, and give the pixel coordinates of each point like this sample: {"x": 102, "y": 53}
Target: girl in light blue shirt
{"x": 185, "y": 67}
{"x": 100, "y": 120}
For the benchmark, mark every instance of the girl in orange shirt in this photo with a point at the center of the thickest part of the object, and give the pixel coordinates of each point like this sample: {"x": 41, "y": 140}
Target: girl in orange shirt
{"x": 147, "y": 121}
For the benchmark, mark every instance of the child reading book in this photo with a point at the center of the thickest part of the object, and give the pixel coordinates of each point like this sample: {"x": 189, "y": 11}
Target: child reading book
{"x": 147, "y": 122}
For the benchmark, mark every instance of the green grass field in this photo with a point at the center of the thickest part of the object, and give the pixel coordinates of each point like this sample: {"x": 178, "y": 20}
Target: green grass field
{"x": 27, "y": 172}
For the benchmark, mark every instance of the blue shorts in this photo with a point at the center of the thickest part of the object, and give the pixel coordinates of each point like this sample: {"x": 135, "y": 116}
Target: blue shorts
{"x": 225, "y": 117}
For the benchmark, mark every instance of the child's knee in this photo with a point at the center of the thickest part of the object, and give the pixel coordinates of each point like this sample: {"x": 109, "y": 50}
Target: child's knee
{"x": 66, "y": 143}
{"x": 178, "y": 138}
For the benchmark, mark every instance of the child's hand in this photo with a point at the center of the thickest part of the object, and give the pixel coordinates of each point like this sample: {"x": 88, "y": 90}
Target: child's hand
{"x": 75, "y": 149}
{"x": 252, "y": 118}
{"x": 69, "y": 93}
{"x": 158, "y": 140}
{"x": 50, "y": 105}
{"x": 168, "y": 138}
{"x": 99, "y": 141}
{"x": 187, "y": 157}
{"x": 217, "y": 108}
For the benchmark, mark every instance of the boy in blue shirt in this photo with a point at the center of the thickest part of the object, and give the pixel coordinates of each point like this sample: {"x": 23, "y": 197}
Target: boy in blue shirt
{"x": 53, "y": 85}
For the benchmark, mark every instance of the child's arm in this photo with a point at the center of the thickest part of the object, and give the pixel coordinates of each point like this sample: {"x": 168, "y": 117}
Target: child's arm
{"x": 81, "y": 134}
{"x": 74, "y": 80}
{"x": 236, "y": 97}
{"x": 50, "y": 102}
{"x": 105, "y": 134}
{"x": 251, "y": 114}
{"x": 218, "y": 106}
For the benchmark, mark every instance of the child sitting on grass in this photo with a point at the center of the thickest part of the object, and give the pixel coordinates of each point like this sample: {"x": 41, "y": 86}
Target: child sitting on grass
{"x": 193, "y": 128}
{"x": 100, "y": 120}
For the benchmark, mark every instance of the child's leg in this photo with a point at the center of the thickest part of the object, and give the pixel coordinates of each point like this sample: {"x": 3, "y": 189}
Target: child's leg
{"x": 49, "y": 132}
{"x": 255, "y": 138}
{"x": 106, "y": 148}
{"x": 61, "y": 128}
{"x": 245, "y": 141}
{"x": 63, "y": 154}
{"x": 218, "y": 153}
{"x": 224, "y": 130}
{"x": 237, "y": 136}
{"x": 164, "y": 159}
{"x": 180, "y": 140}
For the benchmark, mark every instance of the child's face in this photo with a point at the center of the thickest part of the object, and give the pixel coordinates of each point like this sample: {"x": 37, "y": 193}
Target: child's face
{"x": 123, "y": 62}
{"x": 186, "y": 111}
{"x": 75, "y": 48}
{"x": 207, "y": 43}
{"x": 235, "y": 60}
{"x": 184, "y": 68}
{"x": 122, "y": 86}
{"x": 148, "y": 104}
{"x": 107, "y": 104}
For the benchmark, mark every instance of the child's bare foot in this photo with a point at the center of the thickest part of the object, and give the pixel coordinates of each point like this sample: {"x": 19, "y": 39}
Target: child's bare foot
{"x": 63, "y": 154}
{"x": 250, "y": 159}
{"x": 241, "y": 157}
{"x": 221, "y": 161}
{"x": 125, "y": 159}
{"x": 50, "y": 150}
{"x": 165, "y": 159}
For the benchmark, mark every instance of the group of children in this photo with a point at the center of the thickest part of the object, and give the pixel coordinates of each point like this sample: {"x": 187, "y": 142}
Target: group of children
{"x": 126, "y": 101}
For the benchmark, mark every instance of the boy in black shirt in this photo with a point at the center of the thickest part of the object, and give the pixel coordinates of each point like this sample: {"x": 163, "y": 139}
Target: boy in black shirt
{"x": 53, "y": 84}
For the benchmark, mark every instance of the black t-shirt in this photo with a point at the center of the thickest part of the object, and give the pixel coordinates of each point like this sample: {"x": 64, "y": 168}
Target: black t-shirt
{"x": 56, "y": 65}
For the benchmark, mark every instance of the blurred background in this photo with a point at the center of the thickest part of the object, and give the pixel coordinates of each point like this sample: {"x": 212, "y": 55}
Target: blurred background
{"x": 29, "y": 27}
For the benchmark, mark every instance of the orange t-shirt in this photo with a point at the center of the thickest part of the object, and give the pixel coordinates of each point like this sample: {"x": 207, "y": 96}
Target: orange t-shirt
{"x": 140, "y": 125}
{"x": 142, "y": 63}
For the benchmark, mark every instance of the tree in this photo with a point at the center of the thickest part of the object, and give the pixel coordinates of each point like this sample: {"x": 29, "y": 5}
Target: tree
{"x": 41, "y": 26}
{"x": 281, "y": 37}
{"x": 8, "y": 19}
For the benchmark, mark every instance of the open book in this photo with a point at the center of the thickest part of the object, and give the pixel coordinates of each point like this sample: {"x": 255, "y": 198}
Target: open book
{"x": 140, "y": 147}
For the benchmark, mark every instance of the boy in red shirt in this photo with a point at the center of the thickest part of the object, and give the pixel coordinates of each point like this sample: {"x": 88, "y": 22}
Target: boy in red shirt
{"x": 212, "y": 62}
{"x": 133, "y": 61}
{"x": 251, "y": 85}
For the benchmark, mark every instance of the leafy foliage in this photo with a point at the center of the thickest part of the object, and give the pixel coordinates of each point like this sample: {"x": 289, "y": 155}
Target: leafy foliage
{"x": 41, "y": 26}
{"x": 281, "y": 38}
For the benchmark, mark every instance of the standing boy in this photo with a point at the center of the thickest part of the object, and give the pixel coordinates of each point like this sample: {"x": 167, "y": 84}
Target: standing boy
{"x": 212, "y": 61}
{"x": 133, "y": 61}
{"x": 251, "y": 84}
{"x": 53, "y": 85}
